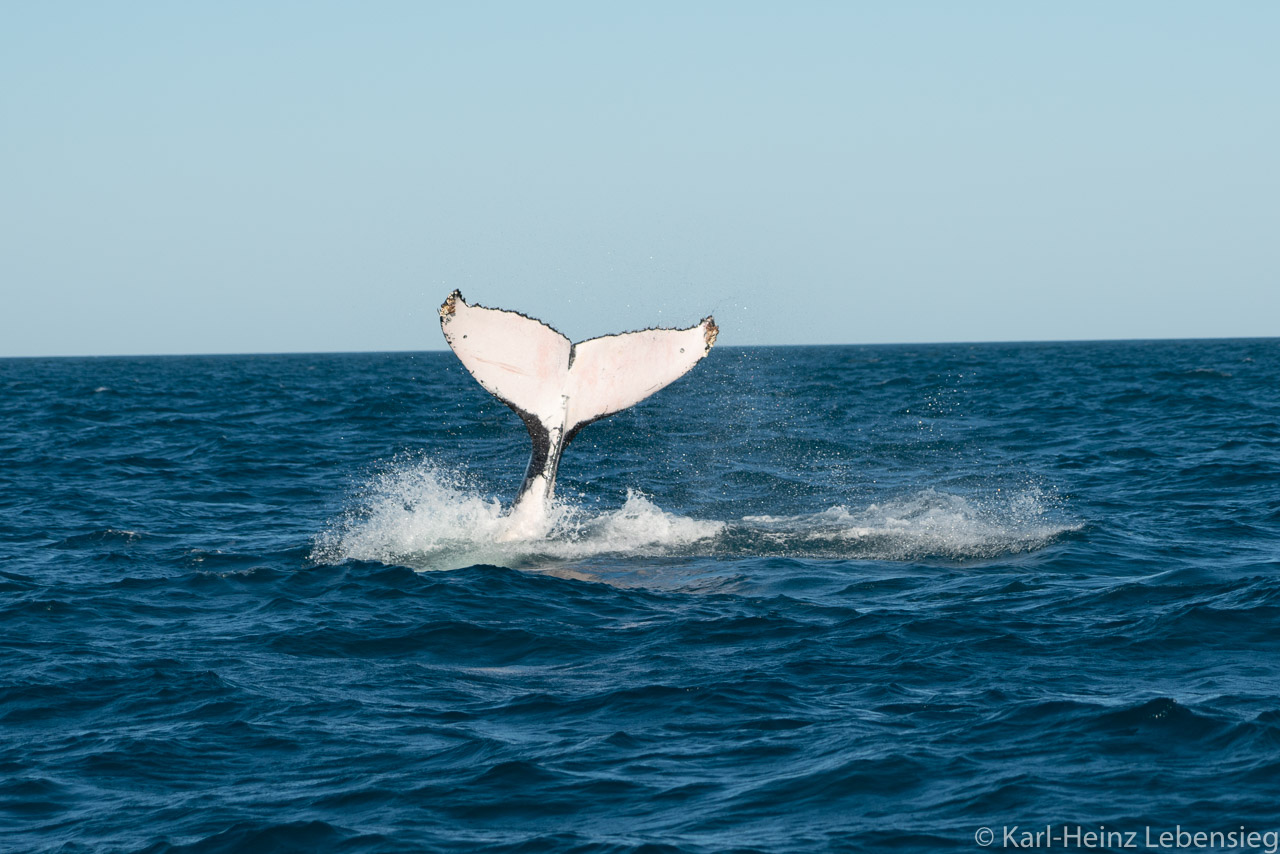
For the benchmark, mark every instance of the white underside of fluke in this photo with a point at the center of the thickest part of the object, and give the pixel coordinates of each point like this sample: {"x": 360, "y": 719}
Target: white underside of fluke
{"x": 557, "y": 386}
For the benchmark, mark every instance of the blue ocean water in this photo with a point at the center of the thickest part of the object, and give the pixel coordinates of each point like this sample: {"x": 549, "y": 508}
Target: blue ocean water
{"x": 804, "y": 599}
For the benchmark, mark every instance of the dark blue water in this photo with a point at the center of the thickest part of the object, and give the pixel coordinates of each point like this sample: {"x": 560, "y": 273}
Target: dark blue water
{"x": 848, "y": 598}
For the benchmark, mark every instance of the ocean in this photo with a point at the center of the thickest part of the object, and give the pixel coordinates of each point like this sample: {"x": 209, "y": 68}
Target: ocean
{"x": 804, "y": 599}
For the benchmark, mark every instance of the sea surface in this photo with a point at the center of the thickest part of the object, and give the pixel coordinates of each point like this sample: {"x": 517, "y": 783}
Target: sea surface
{"x": 804, "y": 599}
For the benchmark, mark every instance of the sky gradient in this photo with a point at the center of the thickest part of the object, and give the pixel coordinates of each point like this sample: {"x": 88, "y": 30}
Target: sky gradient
{"x": 273, "y": 177}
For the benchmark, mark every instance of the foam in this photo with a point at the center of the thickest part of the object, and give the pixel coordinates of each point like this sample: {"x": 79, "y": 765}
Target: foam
{"x": 428, "y": 517}
{"x": 423, "y": 515}
{"x": 926, "y": 523}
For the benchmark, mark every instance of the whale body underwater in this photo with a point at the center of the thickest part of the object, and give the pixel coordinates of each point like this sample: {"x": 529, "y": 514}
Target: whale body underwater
{"x": 558, "y": 387}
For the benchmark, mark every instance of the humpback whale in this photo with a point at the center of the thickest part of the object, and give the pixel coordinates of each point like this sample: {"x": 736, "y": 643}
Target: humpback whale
{"x": 558, "y": 387}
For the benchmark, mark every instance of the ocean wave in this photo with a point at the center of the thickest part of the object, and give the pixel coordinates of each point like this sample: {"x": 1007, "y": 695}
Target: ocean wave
{"x": 312, "y": 836}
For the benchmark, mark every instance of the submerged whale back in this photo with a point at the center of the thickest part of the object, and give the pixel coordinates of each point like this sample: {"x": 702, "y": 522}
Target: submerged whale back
{"x": 557, "y": 386}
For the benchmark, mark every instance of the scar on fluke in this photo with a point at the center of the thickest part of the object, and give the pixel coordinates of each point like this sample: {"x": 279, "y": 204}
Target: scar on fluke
{"x": 558, "y": 387}
{"x": 709, "y": 334}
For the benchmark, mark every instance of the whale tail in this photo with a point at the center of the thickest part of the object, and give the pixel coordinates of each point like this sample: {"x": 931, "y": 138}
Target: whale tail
{"x": 558, "y": 387}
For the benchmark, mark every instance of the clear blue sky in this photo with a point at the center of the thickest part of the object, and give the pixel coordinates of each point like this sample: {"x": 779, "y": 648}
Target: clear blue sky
{"x": 269, "y": 176}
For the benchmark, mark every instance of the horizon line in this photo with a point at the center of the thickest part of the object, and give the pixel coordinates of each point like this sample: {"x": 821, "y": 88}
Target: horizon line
{"x": 1046, "y": 341}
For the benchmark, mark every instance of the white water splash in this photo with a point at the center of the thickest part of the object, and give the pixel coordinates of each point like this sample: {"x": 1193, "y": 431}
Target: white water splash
{"x": 424, "y": 516}
{"x": 927, "y": 523}
{"x": 428, "y": 518}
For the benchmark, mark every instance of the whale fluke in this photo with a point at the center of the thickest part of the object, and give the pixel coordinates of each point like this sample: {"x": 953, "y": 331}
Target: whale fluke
{"x": 558, "y": 387}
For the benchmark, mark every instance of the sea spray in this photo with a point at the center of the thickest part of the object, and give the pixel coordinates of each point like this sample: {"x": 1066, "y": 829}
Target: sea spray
{"x": 422, "y": 514}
